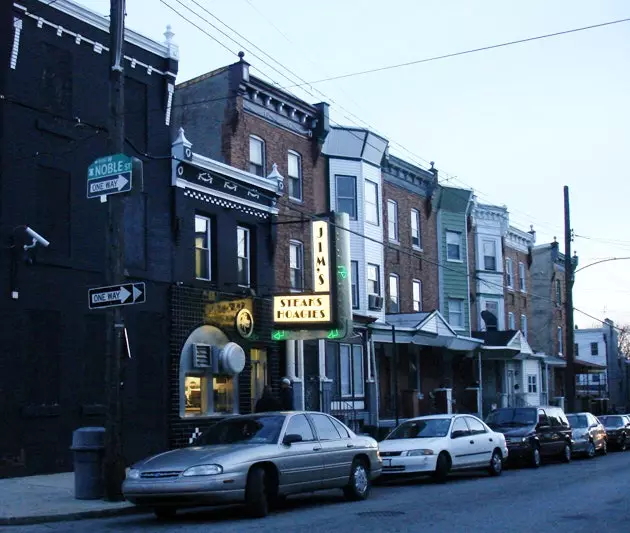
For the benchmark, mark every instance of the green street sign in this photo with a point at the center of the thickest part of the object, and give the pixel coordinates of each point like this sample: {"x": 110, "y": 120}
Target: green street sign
{"x": 109, "y": 175}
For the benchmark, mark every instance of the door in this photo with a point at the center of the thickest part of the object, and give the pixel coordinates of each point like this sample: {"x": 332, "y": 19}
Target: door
{"x": 483, "y": 442}
{"x": 301, "y": 463}
{"x": 545, "y": 433}
{"x": 337, "y": 452}
{"x": 259, "y": 376}
{"x": 311, "y": 376}
{"x": 461, "y": 444}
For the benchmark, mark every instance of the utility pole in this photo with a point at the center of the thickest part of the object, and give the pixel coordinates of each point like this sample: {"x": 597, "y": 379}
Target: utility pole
{"x": 568, "y": 305}
{"x": 114, "y": 460}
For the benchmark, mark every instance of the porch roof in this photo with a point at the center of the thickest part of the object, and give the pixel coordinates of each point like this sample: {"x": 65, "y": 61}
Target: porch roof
{"x": 509, "y": 344}
{"x": 423, "y": 329}
{"x": 552, "y": 360}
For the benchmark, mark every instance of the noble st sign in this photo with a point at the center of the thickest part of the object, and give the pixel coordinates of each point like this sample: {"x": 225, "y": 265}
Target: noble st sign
{"x": 116, "y": 295}
{"x": 109, "y": 175}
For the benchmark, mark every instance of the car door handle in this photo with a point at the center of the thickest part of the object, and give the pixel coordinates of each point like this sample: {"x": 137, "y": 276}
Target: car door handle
{"x": 490, "y": 439}
{"x": 316, "y": 448}
{"x": 472, "y": 442}
{"x": 349, "y": 445}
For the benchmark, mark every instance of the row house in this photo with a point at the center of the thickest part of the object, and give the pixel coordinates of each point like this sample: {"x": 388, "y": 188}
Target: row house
{"x": 591, "y": 352}
{"x": 55, "y": 109}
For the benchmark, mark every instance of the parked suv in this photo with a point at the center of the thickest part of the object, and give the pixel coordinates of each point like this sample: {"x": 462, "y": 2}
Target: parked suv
{"x": 617, "y": 430}
{"x": 533, "y": 432}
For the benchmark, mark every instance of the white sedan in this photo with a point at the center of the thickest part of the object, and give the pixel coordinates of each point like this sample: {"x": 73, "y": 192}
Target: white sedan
{"x": 439, "y": 444}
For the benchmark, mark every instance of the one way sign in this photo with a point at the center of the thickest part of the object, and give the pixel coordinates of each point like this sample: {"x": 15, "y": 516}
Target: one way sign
{"x": 116, "y": 295}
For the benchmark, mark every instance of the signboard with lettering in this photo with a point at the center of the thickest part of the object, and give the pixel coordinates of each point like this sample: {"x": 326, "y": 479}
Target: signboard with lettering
{"x": 300, "y": 309}
{"x": 109, "y": 175}
{"x": 223, "y": 314}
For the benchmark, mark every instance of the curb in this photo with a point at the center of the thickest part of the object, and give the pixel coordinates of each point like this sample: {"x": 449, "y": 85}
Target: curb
{"x": 78, "y": 515}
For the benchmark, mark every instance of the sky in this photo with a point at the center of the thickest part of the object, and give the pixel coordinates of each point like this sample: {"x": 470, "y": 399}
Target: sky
{"x": 515, "y": 124}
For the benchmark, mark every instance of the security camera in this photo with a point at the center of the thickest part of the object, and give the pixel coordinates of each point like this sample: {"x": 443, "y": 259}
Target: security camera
{"x": 37, "y": 238}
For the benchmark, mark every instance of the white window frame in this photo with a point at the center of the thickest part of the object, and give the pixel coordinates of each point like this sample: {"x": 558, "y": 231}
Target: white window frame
{"x": 261, "y": 141}
{"x": 524, "y": 325}
{"x": 354, "y": 287}
{"x": 374, "y": 205}
{"x": 377, "y": 280}
{"x": 353, "y": 216}
{"x": 207, "y": 250}
{"x": 417, "y": 303}
{"x": 560, "y": 341}
{"x": 492, "y": 256}
{"x": 393, "y": 233}
{"x": 509, "y": 273}
{"x": 248, "y": 252}
{"x": 532, "y": 383}
{"x": 299, "y": 247}
{"x": 511, "y": 321}
{"x": 394, "y": 300}
{"x": 416, "y": 227}
{"x": 459, "y": 312}
{"x": 522, "y": 285}
{"x": 292, "y": 178}
{"x": 454, "y": 235}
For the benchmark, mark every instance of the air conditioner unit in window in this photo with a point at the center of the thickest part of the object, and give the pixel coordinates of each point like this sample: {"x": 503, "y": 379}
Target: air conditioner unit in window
{"x": 201, "y": 355}
{"x": 375, "y": 302}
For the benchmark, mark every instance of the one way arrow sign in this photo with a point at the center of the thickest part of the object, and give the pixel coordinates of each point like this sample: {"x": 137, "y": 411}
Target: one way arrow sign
{"x": 116, "y": 295}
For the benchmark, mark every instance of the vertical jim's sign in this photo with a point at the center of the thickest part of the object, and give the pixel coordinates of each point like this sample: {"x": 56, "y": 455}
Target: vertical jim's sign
{"x": 323, "y": 312}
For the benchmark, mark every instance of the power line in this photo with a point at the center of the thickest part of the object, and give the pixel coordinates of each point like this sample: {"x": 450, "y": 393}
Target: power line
{"x": 465, "y": 52}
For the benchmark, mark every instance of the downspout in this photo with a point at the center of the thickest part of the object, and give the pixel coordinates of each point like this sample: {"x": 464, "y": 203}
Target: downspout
{"x": 480, "y": 390}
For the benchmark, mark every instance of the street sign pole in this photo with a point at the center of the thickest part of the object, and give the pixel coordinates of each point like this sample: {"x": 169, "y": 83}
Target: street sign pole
{"x": 114, "y": 459}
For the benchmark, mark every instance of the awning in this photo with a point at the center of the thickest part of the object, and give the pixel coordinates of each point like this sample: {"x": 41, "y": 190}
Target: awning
{"x": 504, "y": 345}
{"x": 552, "y": 360}
{"x": 587, "y": 367}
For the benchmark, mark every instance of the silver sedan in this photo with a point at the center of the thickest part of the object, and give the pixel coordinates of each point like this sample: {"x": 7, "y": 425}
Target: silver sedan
{"x": 257, "y": 460}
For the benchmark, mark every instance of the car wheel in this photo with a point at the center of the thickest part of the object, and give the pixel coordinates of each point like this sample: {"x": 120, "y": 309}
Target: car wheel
{"x": 622, "y": 444}
{"x": 535, "y": 457}
{"x": 496, "y": 464}
{"x": 604, "y": 449}
{"x": 256, "y": 497}
{"x": 358, "y": 488}
{"x": 165, "y": 513}
{"x": 590, "y": 450}
{"x": 566, "y": 453}
{"x": 442, "y": 468}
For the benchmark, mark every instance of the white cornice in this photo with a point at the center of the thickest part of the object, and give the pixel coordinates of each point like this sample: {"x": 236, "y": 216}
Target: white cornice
{"x": 519, "y": 239}
{"x": 102, "y": 23}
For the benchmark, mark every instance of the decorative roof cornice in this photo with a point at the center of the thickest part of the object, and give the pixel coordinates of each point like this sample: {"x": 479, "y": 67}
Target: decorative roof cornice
{"x": 490, "y": 215}
{"x": 519, "y": 239}
{"x": 400, "y": 172}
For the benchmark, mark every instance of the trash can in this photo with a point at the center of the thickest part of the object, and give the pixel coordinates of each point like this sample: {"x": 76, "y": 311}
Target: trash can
{"x": 88, "y": 445}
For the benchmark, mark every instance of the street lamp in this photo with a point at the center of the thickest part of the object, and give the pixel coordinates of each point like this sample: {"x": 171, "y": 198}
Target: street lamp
{"x": 602, "y": 261}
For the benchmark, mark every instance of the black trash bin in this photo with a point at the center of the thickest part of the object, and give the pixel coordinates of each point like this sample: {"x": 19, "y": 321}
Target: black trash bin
{"x": 88, "y": 445}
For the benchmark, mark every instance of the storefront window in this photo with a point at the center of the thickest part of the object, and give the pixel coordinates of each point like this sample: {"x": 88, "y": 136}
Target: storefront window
{"x": 196, "y": 393}
{"x": 258, "y": 374}
{"x": 223, "y": 393}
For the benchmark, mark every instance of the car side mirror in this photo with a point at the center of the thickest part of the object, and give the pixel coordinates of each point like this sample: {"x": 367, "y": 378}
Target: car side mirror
{"x": 458, "y": 433}
{"x": 291, "y": 438}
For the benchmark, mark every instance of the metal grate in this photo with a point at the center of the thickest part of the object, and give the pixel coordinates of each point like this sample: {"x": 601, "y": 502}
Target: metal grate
{"x": 201, "y": 355}
{"x": 160, "y": 475}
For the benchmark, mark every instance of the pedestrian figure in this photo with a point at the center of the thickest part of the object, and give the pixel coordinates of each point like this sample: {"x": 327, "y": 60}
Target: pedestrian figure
{"x": 267, "y": 402}
{"x": 286, "y": 395}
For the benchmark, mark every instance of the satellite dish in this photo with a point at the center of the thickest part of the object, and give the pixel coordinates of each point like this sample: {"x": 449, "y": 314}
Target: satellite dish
{"x": 490, "y": 319}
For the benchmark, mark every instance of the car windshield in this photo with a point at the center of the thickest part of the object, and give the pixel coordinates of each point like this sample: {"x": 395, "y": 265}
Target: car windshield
{"x": 511, "y": 417}
{"x": 244, "y": 430}
{"x": 578, "y": 421}
{"x": 421, "y": 429}
{"x": 612, "y": 421}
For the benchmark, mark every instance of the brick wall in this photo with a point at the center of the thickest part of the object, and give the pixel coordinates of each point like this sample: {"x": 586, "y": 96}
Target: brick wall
{"x": 557, "y": 313}
{"x": 423, "y": 264}
{"x": 278, "y": 142}
{"x": 472, "y": 281}
{"x": 517, "y": 301}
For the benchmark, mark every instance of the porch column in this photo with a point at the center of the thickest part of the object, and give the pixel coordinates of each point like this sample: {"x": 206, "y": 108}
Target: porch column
{"x": 325, "y": 383}
{"x": 294, "y": 348}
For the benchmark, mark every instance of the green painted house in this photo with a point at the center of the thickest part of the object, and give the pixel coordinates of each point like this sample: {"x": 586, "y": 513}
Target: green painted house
{"x": 453, "y": 208}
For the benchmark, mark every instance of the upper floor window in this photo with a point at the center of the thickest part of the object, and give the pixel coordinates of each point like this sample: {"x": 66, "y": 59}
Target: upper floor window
{"x": 511, "y": 321}
{"x": 490, "y": 255}
{"x": 394, "y": 300}
{"x": 373, "y": 279}
{"x": 558, "y": 292}
{"x": 243, "y": 256}
{"x": 524, "y": 325}
{"x": 351, "y": 370}
{"x": 453, "y": 246}
{"x": 346, "y": 188}
{"x": 256, "y": 155}
{"x": 559, "y": 334}
{"x": 416, "y": 237}
{"x": 354, "y": 278}
{"x": 296, "y": 265}
{"x": 392, "y": 220}
{"x": 417, "y": 295}
{"x": 203, "y": 249}
{"x": 456, "y": 313}
{"x": 371, "y": 202}
{"x": 509, "y": 273}
{"x": 295, "y": 176}
{"x": 521, "y": 277}
{"x": 594, "y": 348}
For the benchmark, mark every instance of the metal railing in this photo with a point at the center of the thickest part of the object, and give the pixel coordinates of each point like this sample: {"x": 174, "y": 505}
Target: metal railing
{"x": 345, "y": 411}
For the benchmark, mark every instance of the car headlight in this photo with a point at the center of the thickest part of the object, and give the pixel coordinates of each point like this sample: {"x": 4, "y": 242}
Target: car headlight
{"x": 415, "y": 453}
{"x": 203, "y": 470}
{"x": 133, "y": 473}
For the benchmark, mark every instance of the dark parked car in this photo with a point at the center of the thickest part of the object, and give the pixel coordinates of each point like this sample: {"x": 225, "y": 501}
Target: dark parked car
{"x": 533, "y": 432}
{"x": 589, "y": 434}
{"x": 617, "y": 429}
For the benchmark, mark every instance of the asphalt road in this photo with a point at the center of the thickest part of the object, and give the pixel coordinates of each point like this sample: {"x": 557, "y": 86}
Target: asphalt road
{"x": 584, "y": 496}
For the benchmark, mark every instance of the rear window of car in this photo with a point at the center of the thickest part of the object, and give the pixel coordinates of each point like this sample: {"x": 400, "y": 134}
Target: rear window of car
{"x": 578, "y": 421}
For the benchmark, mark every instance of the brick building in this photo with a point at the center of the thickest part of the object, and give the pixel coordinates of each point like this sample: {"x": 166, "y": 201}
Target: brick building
{"x": 248, "y": 124}
{"x": 52, "y": 346}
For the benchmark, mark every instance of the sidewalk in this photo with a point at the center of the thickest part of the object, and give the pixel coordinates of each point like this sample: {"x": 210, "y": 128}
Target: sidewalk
{"x": 36, "y": 499}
